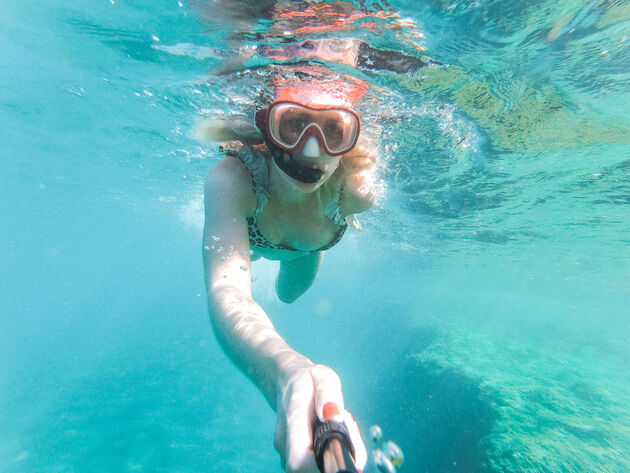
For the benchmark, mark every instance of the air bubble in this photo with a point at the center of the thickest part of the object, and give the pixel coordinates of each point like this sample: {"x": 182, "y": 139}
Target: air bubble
{"x": 230, "y": 255}
{"x": 220, "y": 249}
{"x": 231, "y": 247}
{"x": 251, "y": 252}
{"x": 254, "y": 278}
{"x": 244, "y": 253}
{"x": 382, "y": 462}
{"x": 394, "y": 453}
{"x": 222, "y": 258}
{"x": 244, "y": 268}
{"x": 375, "y": 433}
{"x": 216, "y": 238}
{"x": 206, "y": 247}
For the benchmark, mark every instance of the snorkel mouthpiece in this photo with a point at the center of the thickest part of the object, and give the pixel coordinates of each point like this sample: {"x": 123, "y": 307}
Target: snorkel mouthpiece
{"x": 295, "y": 170}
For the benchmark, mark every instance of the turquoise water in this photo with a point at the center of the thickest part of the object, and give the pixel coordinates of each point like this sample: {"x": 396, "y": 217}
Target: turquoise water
{"x": 481, "y": 318}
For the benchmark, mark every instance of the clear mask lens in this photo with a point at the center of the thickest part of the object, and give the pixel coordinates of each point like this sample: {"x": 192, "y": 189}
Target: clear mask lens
{"x": 337, "y": 129}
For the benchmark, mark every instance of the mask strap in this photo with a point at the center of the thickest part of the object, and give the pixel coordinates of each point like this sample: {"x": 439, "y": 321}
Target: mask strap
{"x": 261, "y": 121}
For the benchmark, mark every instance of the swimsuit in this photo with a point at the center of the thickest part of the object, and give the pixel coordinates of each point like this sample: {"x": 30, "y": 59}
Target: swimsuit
{"x": 254, "y": 160}
{"x": 258, "y": 240}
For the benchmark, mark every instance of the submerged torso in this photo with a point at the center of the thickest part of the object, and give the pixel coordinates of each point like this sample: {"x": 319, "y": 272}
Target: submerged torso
{"x": 281, "y": 232}
{"x": 304, "y": 229}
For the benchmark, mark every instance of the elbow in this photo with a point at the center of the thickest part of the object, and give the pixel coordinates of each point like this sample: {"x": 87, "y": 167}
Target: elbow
{"x": 360, "y": 194}
{"x": 365, "y": 198}
{"x": 360, "y": 198}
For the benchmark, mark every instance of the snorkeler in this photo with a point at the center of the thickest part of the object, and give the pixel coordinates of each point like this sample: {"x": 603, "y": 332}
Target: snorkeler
{"x": 290, "y": 185}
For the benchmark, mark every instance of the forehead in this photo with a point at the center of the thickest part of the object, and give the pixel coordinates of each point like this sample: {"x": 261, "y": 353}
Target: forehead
{"x": 314, "y": 97}
{"x": 316, "y": 86}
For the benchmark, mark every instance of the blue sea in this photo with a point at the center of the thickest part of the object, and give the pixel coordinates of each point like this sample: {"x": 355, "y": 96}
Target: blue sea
{"x": 481, "y": 318}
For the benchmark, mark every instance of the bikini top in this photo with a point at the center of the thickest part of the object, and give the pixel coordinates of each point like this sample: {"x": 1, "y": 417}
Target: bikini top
{"x": 254, "y": 160}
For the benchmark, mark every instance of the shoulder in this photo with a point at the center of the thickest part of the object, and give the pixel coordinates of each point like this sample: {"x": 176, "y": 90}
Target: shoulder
{"x": 230, "y": 180}
{"x": 229, "y": 169}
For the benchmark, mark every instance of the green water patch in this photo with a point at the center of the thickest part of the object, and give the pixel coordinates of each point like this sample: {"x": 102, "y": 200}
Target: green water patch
{"x": 538, "y": 77}
{"x": 519, "y": 116}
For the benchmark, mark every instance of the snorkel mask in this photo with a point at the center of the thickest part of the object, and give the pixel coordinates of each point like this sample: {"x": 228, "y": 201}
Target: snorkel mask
{"x": 289, "y": 124}
{"x": 313, "y": 103}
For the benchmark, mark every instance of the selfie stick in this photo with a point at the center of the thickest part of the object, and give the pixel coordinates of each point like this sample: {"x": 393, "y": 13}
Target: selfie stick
{"x": 333, "y": 449}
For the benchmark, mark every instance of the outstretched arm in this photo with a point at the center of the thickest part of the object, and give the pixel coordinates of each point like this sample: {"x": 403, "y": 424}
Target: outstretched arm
{"x": 293, "y": 385}
{"x": 242, "y": 327}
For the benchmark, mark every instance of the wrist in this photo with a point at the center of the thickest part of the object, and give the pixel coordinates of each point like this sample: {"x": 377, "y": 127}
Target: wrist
{"x": 291, "y": 377}
{"x": 292, "y": 365}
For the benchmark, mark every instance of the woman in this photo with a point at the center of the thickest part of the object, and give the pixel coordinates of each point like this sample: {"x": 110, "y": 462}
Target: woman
{"x": 286, "y": 191}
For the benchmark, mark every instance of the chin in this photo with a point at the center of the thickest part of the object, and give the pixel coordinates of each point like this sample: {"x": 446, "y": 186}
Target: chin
{"x": 307, "y": 187}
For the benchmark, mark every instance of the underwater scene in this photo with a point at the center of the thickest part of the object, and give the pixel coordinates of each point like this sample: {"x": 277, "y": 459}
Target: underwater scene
{"x": 481, "y": 317}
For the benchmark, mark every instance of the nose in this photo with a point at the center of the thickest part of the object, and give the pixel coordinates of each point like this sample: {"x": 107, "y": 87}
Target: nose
{"x": 311, "y": 148}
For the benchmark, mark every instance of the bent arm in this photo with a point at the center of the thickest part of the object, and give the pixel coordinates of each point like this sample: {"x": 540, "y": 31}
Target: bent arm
{"x": 358, "y": 169}
{"x": 242, "y": 327}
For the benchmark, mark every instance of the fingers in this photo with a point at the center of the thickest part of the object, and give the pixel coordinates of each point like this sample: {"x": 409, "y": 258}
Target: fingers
{"x": 353, "y": 164}
{"x": 364, "y": 149}
{"x": 299, "y": 415}
{"x": 360, "y": 453}
{"x": 328, "y": 397}
{"x": 280, "y": 437}
{"x": 316, "y": 392}
{"x": 329, "y": 406}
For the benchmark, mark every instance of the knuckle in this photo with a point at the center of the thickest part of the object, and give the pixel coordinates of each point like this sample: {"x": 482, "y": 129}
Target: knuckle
{"x": 328, "y": 372}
